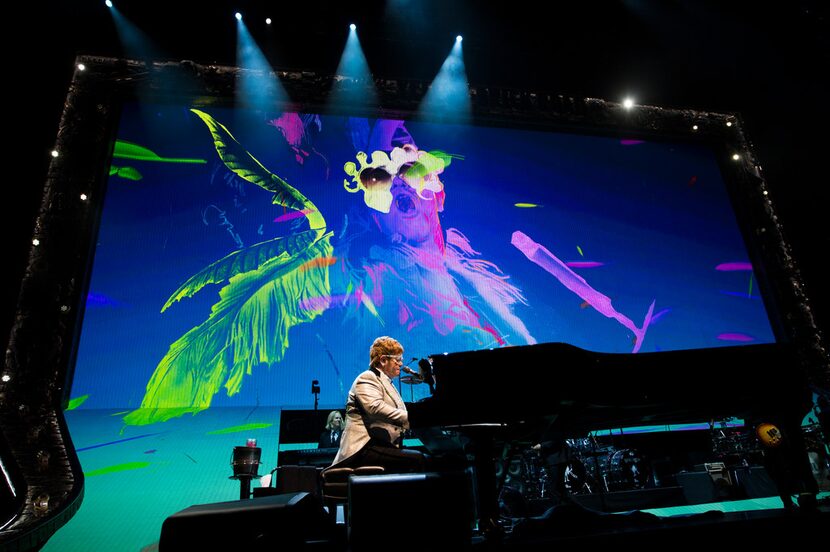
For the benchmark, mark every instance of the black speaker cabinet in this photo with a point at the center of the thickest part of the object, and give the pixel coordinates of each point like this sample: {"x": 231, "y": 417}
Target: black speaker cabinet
{"x": 286, "y": 521}
{"x": 755, "y": 482}
{"x": 293, "y": 479}
{"x": 698, "y": 487}
{"x": 411, "y": 511}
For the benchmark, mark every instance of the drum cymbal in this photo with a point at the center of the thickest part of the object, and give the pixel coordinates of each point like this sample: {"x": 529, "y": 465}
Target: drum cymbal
{"x": 411, "y": 380}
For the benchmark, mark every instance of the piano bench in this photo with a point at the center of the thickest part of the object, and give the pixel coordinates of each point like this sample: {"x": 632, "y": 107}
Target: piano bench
{"x": 336, "y": 486}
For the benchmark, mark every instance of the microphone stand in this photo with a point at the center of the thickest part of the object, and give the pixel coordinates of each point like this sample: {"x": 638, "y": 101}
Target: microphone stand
{"x": 421, "y": 377}
{"x": 602, "y": 484}
{"x": 413, "y": 374}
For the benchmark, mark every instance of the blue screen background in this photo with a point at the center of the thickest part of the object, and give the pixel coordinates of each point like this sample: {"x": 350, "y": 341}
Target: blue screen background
{"x": 653, "y": 217}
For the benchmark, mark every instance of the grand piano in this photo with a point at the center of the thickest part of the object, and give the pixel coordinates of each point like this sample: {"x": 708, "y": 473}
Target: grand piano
{"x": 516, "y": 384}
{"x": 502, "y": 394}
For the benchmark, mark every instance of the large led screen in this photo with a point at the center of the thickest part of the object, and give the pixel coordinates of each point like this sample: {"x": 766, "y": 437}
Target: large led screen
{"x": 241, "y": 255}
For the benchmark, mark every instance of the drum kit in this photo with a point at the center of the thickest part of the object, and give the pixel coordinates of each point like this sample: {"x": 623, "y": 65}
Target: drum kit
{"x": 585, "y": 468}
{"x": 745, "y": 446}
{"x": 524, "y": 472}
{"x": 737, "y": 447}
{"x": 607, "y": 469}
{"x": 814, "y": 438}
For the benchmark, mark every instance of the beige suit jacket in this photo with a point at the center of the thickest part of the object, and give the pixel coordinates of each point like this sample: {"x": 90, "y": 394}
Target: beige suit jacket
{"x": 374, "y": 409}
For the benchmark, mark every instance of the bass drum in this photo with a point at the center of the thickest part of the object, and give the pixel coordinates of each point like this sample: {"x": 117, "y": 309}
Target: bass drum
{"x": 627, "y": 470}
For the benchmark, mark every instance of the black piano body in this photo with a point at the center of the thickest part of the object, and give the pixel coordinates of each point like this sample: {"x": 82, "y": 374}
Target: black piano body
{"x": 588, "y": 390}
{"x": 513, "y": 393}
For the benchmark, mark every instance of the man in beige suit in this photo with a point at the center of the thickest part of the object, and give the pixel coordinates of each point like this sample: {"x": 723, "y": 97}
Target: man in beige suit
{"x": 376, "y": 416}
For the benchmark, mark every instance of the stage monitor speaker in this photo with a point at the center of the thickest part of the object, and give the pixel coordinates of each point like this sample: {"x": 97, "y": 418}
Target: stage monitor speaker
{"x": 411, "y": 510}
{"x": 286, "y": 521}
{"x": 698, "y": 487}
{"x": 755, "y": 482}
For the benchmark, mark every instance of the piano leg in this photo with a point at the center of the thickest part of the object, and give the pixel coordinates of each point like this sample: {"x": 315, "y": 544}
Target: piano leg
{"x": 483, "y": 449}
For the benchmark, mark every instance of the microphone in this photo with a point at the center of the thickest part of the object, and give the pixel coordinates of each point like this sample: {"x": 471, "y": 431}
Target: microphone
{"x": 410, "y": 371}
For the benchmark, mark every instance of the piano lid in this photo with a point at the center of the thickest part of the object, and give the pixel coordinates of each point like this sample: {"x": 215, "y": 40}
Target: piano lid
{"x": 594, "y": 390}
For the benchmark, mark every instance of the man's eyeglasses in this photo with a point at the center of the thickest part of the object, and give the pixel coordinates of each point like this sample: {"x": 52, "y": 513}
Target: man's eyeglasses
{"x": 399, "y": 358}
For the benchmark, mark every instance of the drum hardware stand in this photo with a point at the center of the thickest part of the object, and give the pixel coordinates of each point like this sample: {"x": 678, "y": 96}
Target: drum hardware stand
{"x": 511, "y": 452}
{"x": 602, "y": 484}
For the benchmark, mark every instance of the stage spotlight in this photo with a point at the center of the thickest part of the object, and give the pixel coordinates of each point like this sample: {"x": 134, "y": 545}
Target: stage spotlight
{"x": 6, "y": 377}
{"x": 55, "y": 153}
{"x": 81, "y": 67}
{"x": 136, "y": 43}
{"x": 83, "y": 197}
{"x": 238, "y": 16}
{"x": 735, "y": 157}
{"x": 35, "y": 242}
{"x": 694, "y": 127}
{"x": 267, "y": 20}
{"x": 258, "y": 87}
{"x": 108, "y": 3}
{"x": 448, "y": 95}
{"x": 729, "y": 123}
{"x": 358, "y": 86}
{"x": 459, "y": 38}
{"x": 628, "y": 103}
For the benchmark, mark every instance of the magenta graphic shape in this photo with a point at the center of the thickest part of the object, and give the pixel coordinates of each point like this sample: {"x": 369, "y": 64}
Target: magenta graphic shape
{"x": 571, "y": 280}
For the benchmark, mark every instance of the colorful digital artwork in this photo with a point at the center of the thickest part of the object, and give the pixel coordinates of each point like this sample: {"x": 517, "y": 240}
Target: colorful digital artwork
{"x": 241, "y": 255}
